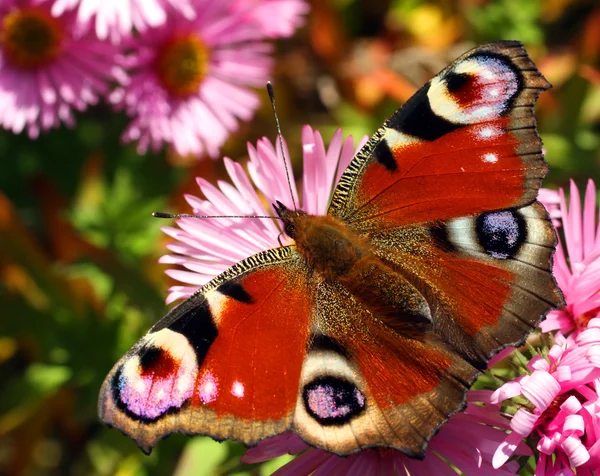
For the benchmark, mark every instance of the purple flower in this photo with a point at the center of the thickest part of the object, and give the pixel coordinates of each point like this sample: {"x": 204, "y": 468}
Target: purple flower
{"x": 48, "y": 67}
{"x": 207, "y": 247}
{"x": 468, "y": 442}
{"x": 577, "y": 264}
{"x": 115, "y": 20}
{"x": 562, "y": 409}
{"x": 191, "y": 78}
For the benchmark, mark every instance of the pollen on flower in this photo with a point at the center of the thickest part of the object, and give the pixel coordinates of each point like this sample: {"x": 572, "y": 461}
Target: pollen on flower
{"x": 182, "y": 64}
{"x": 30, "y": 37}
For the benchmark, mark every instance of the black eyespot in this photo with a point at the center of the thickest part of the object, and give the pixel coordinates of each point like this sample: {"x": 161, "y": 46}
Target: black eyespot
{"x": 501, "y": 233}
{"x": 333, "y": 401}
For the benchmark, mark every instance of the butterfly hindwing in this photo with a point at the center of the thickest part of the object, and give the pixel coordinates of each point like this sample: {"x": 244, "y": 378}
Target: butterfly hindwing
{"x": 364, "y": 384}
{"x": 225, "y": 363}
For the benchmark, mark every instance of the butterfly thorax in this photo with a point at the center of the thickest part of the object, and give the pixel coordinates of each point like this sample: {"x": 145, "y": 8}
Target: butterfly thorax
{"x": 328, "y": 245}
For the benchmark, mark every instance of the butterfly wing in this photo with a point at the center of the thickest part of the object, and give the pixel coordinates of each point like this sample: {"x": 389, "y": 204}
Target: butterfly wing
{"x": 364, "y": 384}
{"x": 441, "y": 191}
{"x": 225, "y": 363}
{"x": 465, "y": 143}
{"x": 445, "y": 192}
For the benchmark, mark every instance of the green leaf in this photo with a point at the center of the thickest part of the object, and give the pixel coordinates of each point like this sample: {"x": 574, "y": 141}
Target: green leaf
{"x": 201, "y": 457}
{"x": 47, "y": 378}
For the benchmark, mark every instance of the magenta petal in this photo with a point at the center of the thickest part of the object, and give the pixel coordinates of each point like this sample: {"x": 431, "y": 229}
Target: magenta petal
{"x": 505, "y": 450}
{"x": 286, "y": 443}
{"x": 574, "y": 426}
{"x": 546, "y": 445}
{"x": 576, "y": 452}
{"x": 523, "y": 422}
{"x": 508, "y": 390}
{"x": 540, "y": 389}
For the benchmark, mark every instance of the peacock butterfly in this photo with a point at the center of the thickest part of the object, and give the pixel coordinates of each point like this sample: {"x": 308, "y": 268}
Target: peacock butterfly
{"x": 371, "y": 327}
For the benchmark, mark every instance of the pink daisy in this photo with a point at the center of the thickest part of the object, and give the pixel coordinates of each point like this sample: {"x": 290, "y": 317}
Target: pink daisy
{"x": 115, "y": 20}
{"x": 207, "y": 247}
{"x": 551, "y": 200}
{"x": 289, "y": 12}
{"x": 563, "y": 409}
{"x": 48, "y": 67}
{"x": 577, "y": 264}
{"x": 468, "y": 442}
{"x": 190, "y": 78}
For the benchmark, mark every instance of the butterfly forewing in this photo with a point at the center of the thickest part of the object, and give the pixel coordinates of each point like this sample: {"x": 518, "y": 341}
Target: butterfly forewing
{"x": 225, "y": 363}
{"x": 465, "y": 143}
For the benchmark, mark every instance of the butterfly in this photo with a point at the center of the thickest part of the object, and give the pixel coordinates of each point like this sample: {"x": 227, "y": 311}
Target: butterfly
{"x": 370, "y": 328}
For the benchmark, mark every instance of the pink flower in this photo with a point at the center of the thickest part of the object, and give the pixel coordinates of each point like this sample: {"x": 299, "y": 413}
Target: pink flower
{"x": 48, "y": 67}
{"x": 467, "y": 441}
{"x": 579, "y": 277}
{"x": 290, "y": 14}
{"x": 564, "y": 407}
{"x": 551, "y": 200}
{"x": 207, "y": 247}
{"x": 115, "y": 20}
{"x": 190, "y": 78}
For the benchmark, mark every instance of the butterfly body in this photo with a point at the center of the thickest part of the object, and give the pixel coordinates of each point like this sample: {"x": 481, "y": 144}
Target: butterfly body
{"x": 370, "y": 328}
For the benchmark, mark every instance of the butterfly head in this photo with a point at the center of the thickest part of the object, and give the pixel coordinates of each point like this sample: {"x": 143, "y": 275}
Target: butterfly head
{"x": 289, "y": 217}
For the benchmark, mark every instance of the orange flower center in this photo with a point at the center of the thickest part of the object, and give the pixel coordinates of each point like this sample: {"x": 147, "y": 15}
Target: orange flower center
{"x": 182, "y": 64}
{"x": 581, "y": 322}
{"x": 30, "y": 37}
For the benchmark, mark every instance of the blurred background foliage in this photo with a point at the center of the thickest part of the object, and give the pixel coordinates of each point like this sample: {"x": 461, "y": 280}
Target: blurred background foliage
{"x": 79, "y": 278}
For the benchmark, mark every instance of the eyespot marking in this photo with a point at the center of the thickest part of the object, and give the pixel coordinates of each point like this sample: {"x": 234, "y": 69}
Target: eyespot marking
{"x": 333, "y": 401}
{"x": 477, "y": 89}
{"x": 501, "y": 233}
{"x": 158, "y": 379}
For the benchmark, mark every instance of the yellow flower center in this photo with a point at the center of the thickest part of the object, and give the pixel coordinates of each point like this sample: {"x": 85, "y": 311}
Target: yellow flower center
{"x": 30, "y": 37}
{"x": 182, "y": 64}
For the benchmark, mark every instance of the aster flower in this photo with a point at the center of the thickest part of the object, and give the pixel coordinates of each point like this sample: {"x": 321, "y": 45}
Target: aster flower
{"x": 551, "y": 200}
{"x": 562, "y": 409}
{"x": 205, "y": 248}
{"x": 467, "y": 442}
{"x": 115, "y": 20}
{"x": 577, "y": 264}
{"x": 190, "y": 78}
{"x": 48, "y": 67}
{"x": 289, "y": 12}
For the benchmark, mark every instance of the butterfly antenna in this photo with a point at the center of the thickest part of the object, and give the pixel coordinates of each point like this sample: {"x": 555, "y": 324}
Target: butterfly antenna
{"x": 186, "y": 215}
{"x": 287, "y": 172}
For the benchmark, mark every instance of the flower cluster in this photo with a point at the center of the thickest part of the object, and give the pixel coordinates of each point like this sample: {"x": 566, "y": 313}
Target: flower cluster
{"x": 561, "y": 407}
{"x": 181, "y": 69}
{"x": 576, "y": 263}
{"x": 547, "y": 409}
